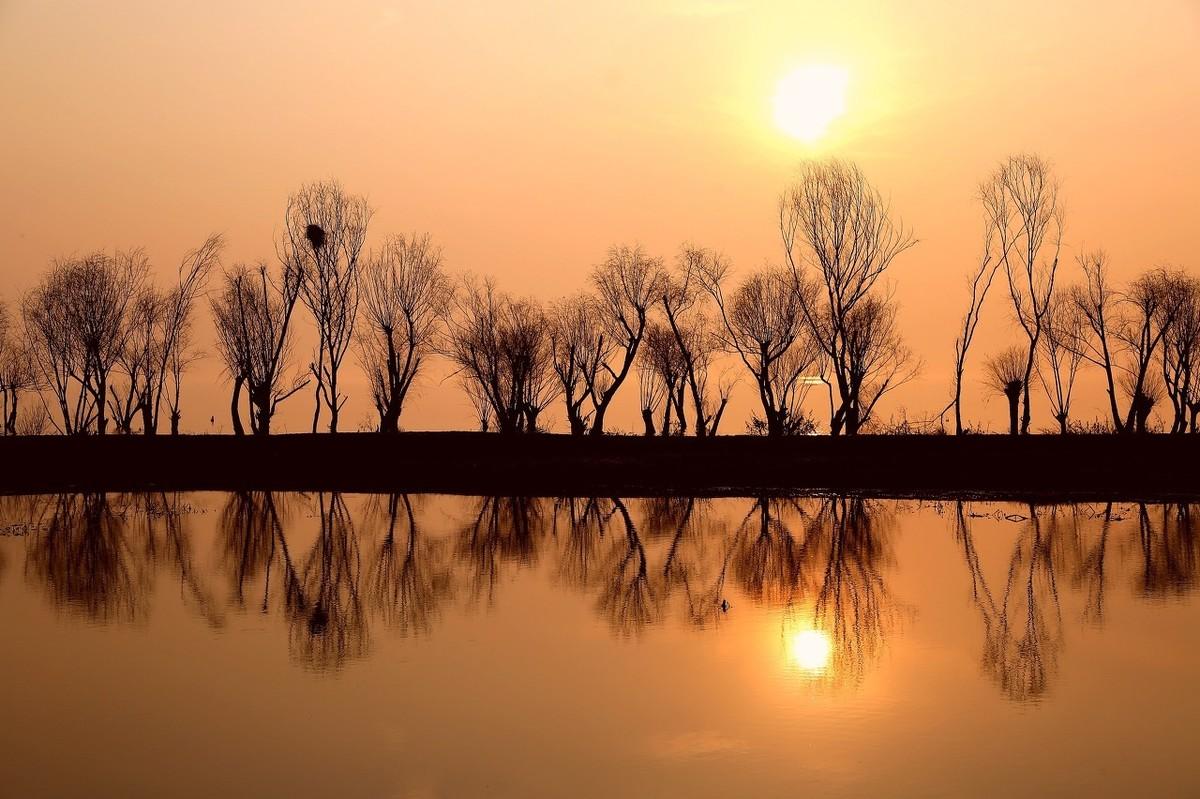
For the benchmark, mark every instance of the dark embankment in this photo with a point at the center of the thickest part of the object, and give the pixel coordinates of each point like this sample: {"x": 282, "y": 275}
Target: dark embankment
{"x": 1035, "y": 467}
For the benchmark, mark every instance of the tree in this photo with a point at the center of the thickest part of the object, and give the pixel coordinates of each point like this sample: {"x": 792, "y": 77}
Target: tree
{"x": 1022, "y": 203}
{"x": 253, "y": 314}
{"x": 1057, "y": 369}
{"x": 406, "y": 296}
{"x": 651, "y": 391}
{"x": 579, "y": 350}
{"x": 833, "y": 219}
{"x": 661, "y": 356}
{"x": 682, "y": 291}
{"x": 326, "y": 230}
{"x": 1006, "y": 376}
{"x": 1180, "y": 368}
{"x": 158, "y": 345}
{"x": 873, "y": 361}
{"x": 764, "y": 326}
{"x": 502, "y": 348}
{"x": 979, "y": 283}
{"x": 17, "y": 372}
{"x": 77, "y": 321}
{"x": 627, "y": 284}
{"x": 1096, "y": 302}
{"x": 1151, "y": 303}
{"x": 178, "y": 303}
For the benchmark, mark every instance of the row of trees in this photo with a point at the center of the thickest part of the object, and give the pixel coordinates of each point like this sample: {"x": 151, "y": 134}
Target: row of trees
{"x": 104, "y": 348}
{"x": 1142, "y": 337}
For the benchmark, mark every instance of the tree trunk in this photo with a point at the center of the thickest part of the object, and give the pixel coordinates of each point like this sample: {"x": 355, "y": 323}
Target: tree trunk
{"x": 958, "y": 428}
{"x": 648, "y": 419}
{"x": 578, "y": 427}
{"x": 262, "y": 412}
{"x": 1014, "y": 401}
{"x": 101, "y": 417}
{"x": 234, "y": 412}
{"x": 148, "y": 426}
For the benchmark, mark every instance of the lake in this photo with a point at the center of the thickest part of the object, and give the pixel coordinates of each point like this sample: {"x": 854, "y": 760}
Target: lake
{"x": 256, "y": 644}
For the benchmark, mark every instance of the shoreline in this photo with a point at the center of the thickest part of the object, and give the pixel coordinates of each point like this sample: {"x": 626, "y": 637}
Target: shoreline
{"x": 1032, "y": 468}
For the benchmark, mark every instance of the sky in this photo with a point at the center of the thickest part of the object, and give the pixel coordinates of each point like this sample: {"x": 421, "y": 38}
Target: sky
{"x": 528, "y": 137}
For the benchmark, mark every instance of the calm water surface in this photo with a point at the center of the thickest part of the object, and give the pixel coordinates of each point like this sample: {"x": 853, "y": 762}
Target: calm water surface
{"x": 331, "y": 645}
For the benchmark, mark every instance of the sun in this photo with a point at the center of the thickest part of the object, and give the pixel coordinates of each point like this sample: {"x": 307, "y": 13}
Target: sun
{"x": 808, "y": 99}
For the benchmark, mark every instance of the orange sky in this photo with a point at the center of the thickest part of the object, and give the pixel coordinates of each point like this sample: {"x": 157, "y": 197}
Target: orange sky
{"x": 527, "y": 137}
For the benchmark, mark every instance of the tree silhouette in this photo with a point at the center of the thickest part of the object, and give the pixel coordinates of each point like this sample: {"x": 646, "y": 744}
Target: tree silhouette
{"x": 503, "y": 350}
{"x": 78, "y": 323}
{"x": 995, "y": 245}
{"x": 1006, "y": 376}
{"x": 764, "y": 326}
{"x": 253, "y": 316}
{"x": 833, "y": 219}
{"x": 406, "y": 297}
{"x": 627, "y": 284}
{"x": 1022, "y": 204}
{"x": 579, "y": 351}
{"x": 326, "y": 230}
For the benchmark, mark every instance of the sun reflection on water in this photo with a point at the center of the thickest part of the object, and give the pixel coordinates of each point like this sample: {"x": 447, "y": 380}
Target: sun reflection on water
{"x": 810, "y": 650}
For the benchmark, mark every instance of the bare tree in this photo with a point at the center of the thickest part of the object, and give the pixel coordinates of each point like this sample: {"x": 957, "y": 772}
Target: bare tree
{"x": 1022, "y": 203}
{"x": 979, "y": 283}
{"x": 682, "y": 292}
{"x": 1057, "y": 369}
{"x": 874, "y": 360}
{"x": 178, "y": 303}
{"x": 77, "y": 320}
{"x": 253, "y": 315}
{"x": 502, "y": 347}
{"x": 764, "y": 326}
{"x": 1180, "y": 365}
{"x": 1096, "y": 301}
{"x": 580, "y": 350}
{"x": 406, "y": 296}
{"x": 17, "y": 371}
{"x": 1152, "y": 303}
{"x": 55, "y": 352}
{"x": 627, "y": 284}
{"x": 660, "y": 355}
{"x": 651, "y": 392}
{"x": 835, "y": 221}
{"x": 1006, "y": 376}
{"x": 158, "y": 344}
{"x": 326, "y": 230}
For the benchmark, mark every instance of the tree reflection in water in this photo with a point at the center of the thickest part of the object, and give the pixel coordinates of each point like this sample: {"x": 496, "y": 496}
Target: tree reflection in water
{"x": 410, "y": 576}
{"x": 163, "y": 521}
{"x": 1023, "y": 620}
{"x": 328, "y": 623}
{"x": 1022, "y": 617}
{"x": 503, "y": 530}
{"x": 821, "y": 562}
{"x": 81, "y": 553}
{"x": 251, "y": 534}
{"x": 847, "y": 542}
{"x": 1168, "y": 550}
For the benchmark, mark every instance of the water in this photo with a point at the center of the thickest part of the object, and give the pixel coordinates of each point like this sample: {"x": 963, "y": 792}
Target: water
{"x": 325, "y": 645}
